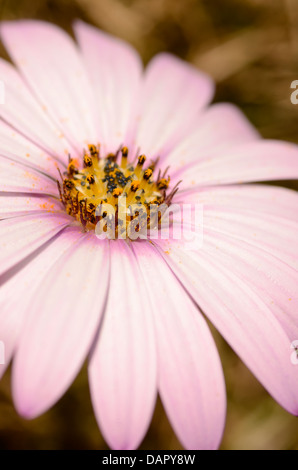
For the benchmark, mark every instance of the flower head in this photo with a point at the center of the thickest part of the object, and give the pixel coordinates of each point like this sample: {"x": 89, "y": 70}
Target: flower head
{"x": 83, "y": 126}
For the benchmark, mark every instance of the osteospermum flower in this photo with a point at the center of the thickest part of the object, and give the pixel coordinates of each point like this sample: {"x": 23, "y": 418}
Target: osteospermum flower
{"x": 85, "y": 125}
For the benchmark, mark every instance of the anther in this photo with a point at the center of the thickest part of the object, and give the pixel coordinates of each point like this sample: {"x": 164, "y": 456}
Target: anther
{"x": 91, "y": 179}
{"x": 163, "y": 183}
{"x": 138, "y": 169}
{"x": 72, "y": 169}
{"x": 117, "y": 192}
{"x": 68, "y": 184}
{"x": 93, "y": 150}
{"x": 124, "y": 151}
{"x": 141, "y": 160}
{"x": 87, "y": 161}
{"x": 84, "y": 187}
{"x": 91, "y": 206}
{"x": 135, "y": 185}
{"x": 147, "y": 174}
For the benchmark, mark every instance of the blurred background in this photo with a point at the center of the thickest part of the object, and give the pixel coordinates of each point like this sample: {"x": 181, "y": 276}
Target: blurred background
{"x": 250, "y": 48}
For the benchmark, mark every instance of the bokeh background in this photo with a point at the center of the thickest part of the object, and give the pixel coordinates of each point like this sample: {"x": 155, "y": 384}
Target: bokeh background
{"x": 250, "y": 47}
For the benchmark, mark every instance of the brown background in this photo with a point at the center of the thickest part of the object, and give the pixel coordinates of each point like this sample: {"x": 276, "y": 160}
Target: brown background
{"x": 250, "y": 47}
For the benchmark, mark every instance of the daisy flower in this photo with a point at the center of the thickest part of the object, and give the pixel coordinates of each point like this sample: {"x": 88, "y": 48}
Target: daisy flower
{"x": 84, "y": 125}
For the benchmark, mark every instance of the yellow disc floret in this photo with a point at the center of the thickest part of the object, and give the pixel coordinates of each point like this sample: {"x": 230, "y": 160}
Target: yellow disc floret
{"x": 95, "y": 191}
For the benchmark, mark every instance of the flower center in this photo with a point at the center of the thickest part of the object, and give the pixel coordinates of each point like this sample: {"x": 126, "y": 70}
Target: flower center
{"x": 118, "y": 200}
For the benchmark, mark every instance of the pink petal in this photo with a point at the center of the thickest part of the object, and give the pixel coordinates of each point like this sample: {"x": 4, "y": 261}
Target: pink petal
{"x": 21, "y": 236}
{"x": 123, "y": 365}
{"x": 51, "y": 64}
{"x": 257, "y": 161}
{"x": 173, "y": 95}
{"x": 15, "y": 177}
{"x": 63, "y": 318}
{"x": 114, "y": 69}
{"x": 190, "y": 378}
{"x": 273, "y": 281}
{"x": 241, "y": 316}
{"x": 12, "y": 205}
{"x": 253, "y": 228}
{"x": 24, "y": 113}
{"x": 273, "y": 234}
{"x": 259, "y": 198}
{"x": 261, "y": 216}
{"x": 16, "y": 292}
{"x": 219, "y": 126}
{"x": 17, "y": 148}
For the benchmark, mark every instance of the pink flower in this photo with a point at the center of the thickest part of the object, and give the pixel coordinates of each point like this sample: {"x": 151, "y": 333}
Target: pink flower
{"x": 134, "y": 308}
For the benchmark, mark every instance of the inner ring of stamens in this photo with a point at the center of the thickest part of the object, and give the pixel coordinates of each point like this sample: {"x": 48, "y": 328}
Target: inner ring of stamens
{"x": 111, "y": 192}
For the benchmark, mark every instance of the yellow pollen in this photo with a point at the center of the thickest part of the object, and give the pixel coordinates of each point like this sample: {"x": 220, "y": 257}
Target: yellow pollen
{"x": 141, "y": 160}
{"x": 138, "y": 169}
{"x": 163, "y": 183}
{"x": 147, "y": 174}
{"x": 93, "y": 150}
{"x": 124, "y": 157}
{"x": 90, "y": 179}
{"x": 72, "y": 168}
{"x": 117, "y": 192}
{"x": 87, "y": 161}
{"x": 135, "y": 186}
{"x": 100, "y": 191}
{"x": 124, "y": 152}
